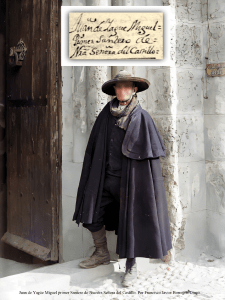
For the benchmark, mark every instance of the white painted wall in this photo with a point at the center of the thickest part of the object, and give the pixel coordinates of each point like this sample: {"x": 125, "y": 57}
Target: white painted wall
{"x": 192, "y": 128}
{"x": 82, "y": 102}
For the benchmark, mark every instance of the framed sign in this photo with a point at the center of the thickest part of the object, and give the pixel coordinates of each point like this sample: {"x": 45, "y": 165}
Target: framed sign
{"x": 213, "y": 70}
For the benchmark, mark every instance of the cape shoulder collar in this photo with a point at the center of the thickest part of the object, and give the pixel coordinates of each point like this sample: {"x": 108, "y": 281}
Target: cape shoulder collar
{"x": 142, "y": 139}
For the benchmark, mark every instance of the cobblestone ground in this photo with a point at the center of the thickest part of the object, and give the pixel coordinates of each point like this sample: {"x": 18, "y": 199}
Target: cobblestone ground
{"x": 179, "y": 280}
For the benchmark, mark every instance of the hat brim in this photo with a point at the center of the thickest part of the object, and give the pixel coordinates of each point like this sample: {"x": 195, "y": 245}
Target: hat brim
{"x": 141, "y": 83}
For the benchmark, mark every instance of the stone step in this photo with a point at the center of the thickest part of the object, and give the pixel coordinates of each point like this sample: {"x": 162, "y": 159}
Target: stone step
{"x": 50, "y": 278}
{"x": 41, "y": 282}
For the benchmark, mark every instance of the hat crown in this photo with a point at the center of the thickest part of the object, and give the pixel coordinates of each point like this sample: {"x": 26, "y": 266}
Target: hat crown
{"x": 123, "y": 74}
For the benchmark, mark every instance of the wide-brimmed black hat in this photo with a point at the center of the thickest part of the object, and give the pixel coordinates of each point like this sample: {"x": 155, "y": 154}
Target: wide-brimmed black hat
{"x": 123, "y": 75}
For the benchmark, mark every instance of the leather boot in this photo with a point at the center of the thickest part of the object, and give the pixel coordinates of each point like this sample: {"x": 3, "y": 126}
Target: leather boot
{"x": 130, "y": 276}
{"x": 101, "y": 254}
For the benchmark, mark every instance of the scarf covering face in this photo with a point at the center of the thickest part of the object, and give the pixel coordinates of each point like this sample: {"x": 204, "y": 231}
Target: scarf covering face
{"x": 123, "y": 115}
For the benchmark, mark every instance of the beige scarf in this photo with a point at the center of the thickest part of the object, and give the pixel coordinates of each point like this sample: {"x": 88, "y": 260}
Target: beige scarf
{"x": 123, "y": 115}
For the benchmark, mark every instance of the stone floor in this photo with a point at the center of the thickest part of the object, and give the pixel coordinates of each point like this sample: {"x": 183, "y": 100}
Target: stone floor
{"x": 204, "y": 279}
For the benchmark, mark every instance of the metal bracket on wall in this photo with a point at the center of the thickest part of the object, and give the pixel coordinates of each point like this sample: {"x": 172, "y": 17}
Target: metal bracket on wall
{"x": 17, "y": 54}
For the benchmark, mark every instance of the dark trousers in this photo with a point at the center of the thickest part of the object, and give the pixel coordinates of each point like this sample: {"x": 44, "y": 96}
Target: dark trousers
{"x": 111, "y": 192}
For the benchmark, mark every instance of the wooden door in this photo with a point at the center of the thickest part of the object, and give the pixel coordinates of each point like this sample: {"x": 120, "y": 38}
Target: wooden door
{"x": 33, "y": 127}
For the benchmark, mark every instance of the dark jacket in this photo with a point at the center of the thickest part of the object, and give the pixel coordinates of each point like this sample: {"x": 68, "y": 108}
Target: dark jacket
{"x": 144, "y": 229}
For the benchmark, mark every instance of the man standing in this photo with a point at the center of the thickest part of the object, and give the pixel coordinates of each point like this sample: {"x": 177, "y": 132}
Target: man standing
{"x": 121, "y": 186}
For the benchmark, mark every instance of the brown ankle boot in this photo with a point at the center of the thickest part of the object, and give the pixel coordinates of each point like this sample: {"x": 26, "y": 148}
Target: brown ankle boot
{"x": 101, "y": 254}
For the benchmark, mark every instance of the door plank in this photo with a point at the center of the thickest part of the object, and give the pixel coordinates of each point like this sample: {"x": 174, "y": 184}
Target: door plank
{"x": 26, "y": 246}
{"x": 34, "y": 141}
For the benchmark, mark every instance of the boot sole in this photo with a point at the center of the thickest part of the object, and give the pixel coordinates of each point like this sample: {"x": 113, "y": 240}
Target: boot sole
{"x": 94, "y": 266}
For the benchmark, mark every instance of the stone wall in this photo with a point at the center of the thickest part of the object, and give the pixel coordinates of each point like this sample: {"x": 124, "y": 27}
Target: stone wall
{"x": 214, "y": 106}
{"x": 187, "y": 84}
{"x": 184, "y": 106}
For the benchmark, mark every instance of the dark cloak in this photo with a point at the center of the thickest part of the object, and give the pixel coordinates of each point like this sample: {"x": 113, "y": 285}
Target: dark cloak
{"x": 143, "y": 228}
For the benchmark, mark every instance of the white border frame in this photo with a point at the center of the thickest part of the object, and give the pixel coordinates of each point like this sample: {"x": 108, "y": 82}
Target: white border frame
{"x": 66, "y": 61}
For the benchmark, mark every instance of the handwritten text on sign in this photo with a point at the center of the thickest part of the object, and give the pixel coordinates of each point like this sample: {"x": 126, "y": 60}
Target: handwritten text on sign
{"x": 115, "y": 35}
